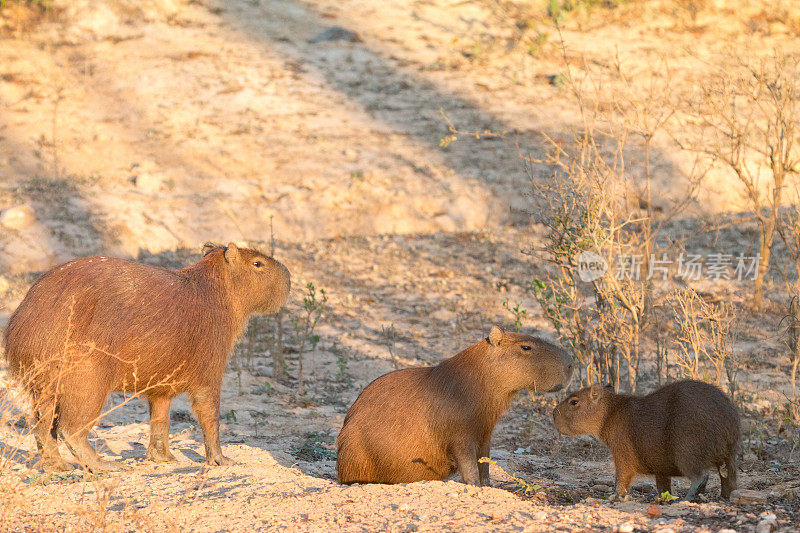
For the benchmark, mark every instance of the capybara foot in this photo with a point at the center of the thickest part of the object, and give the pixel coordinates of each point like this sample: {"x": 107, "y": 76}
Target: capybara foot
{"x": 159, "y": 456}
{"x": 220, "y": 460}
{"x": 99, "y": 466}
{"x": 52, "y": 466}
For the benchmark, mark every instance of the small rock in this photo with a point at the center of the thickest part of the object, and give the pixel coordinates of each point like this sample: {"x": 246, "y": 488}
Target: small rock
{"x": 654, "y": 511}
{"x": 625, "y": 527}
{"x": 747, "y": 497}
{"x": 336, "y": 33}
{"x": 727, "y": 530}
{"x": 350, "y": 154}
{"x": 769, "y": 516}
{"x": 766, "y": 526}
{"x": 18, "y": 217}
{"x": 601, "y": 488}
{"x": 541, "y": 515}
{"x": 146, "y": 182}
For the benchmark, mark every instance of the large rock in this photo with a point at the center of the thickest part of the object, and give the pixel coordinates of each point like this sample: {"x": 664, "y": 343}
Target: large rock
{"x": 747, "y": 497}
{"x": 18, "y": 217}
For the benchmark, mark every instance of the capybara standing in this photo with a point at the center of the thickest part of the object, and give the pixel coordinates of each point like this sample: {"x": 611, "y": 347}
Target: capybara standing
{"x": 680, "y": 429}
{"x": 96, "y": 325}
{"x": 424, "y": 423}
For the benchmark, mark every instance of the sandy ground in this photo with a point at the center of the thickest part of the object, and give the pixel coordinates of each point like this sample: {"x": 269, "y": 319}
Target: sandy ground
{"x": 143, "y": 129}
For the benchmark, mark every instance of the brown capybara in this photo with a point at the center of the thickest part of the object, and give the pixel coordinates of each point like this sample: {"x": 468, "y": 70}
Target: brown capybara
{"x": 680, "y": 429}
{"x": 96, "y": 325}
{"x": 420, "y": 424}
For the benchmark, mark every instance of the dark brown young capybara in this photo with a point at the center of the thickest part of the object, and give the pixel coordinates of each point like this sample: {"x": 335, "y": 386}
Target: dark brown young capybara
{"x": 680, "y": 429}
{"x": 96, "y": 325}
{"x": 420, "y": 424}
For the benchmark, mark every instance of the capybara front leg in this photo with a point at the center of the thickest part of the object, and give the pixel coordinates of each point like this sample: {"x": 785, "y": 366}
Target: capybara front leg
{"x": 158, "y": 451}
{"x": 466, "y": 456}
{"x": 483, "y": 467}
{"x": 663, "y": 484}
{"x": 45, "y": 418}
{"x": 624, "y": 476}
{"x": 205, "y": 403}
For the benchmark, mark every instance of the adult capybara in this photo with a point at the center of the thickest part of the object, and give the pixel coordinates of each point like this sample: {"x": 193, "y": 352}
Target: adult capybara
{"x": 423, "y": 423}
{"x": 96, "y": 325}
{"x": 680, "y": 429}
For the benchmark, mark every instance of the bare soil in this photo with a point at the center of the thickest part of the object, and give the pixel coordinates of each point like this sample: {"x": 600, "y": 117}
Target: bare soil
{"x": 143, "y": 129}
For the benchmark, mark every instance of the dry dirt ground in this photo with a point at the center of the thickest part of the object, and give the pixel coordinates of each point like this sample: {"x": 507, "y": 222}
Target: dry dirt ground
{"x": 143, "y": 129}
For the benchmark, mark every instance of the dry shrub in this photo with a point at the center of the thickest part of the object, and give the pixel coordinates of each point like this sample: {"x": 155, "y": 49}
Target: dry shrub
{"x": 745, "y": 117}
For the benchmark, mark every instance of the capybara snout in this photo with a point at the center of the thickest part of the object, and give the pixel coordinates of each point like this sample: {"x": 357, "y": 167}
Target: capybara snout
{"x": 96, "y": 325}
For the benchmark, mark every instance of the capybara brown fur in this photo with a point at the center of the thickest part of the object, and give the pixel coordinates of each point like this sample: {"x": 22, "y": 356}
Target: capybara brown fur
{"x": 424, "y": 423}
{"x": 96, "y": 325}
{"x": 681, "y": 429}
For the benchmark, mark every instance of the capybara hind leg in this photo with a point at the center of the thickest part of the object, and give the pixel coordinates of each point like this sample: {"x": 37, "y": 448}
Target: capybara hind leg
{"x": 728, "y": 480}
{"x": 77, "y": 416}
{"x": 47, "y": 441}
{"x": 158, "y": 451}
{"x": 205, "y": 403}
{"x": 698, "y": 485}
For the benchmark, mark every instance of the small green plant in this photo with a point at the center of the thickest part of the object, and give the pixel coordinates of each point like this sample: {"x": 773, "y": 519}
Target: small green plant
{"x": 315, "y": 447}
{"x": 313, "y": 307}
{"x": 230, "y": 416}
{"x": 522, "y": 486}
{"x": 518, "y": 313}
{"x": 667, "y": 497}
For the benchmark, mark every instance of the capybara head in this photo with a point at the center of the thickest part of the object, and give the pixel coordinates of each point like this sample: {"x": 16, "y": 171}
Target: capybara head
{"x": 583, "y": 412}
{"x": 528, "y": 362}
{"x": 261, "y": 282}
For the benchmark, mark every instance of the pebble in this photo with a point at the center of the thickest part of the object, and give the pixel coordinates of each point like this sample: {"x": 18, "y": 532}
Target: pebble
{"x": 541, "y": 515}
{"x": 146, "y": 182}
{"x": 727, "y": 530}
{"x": 654, "y": 511}
{"x": 765, "y": 526}
{"x": 625, "y": 527}
{"x": 18, "y": 217}
{"x": 601, "y": 488}
{"x": 336, "y": 33}
{"x": 747, "y": 497}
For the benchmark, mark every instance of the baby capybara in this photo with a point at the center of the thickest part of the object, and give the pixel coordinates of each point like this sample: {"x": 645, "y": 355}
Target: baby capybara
{"x": 96, "y": 325}
{"x": 680, "y": 429}
{"x": 420, "y": 424}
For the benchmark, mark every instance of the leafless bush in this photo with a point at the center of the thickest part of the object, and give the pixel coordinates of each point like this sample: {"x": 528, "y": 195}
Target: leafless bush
{"x": 703, "y": 338}
{"x": 745, "y": 117}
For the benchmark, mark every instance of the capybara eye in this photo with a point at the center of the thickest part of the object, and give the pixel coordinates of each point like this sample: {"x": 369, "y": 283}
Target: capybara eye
{"x": 258, "y": 264}
{"x": 573, "y": 401}
{"x": 525, "y": 347}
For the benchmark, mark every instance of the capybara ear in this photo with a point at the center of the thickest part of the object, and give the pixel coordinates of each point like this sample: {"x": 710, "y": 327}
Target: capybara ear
{"x": 595, "y": 391}
{"x": 231, "y": 253}
{"x": 495, "y": 336}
